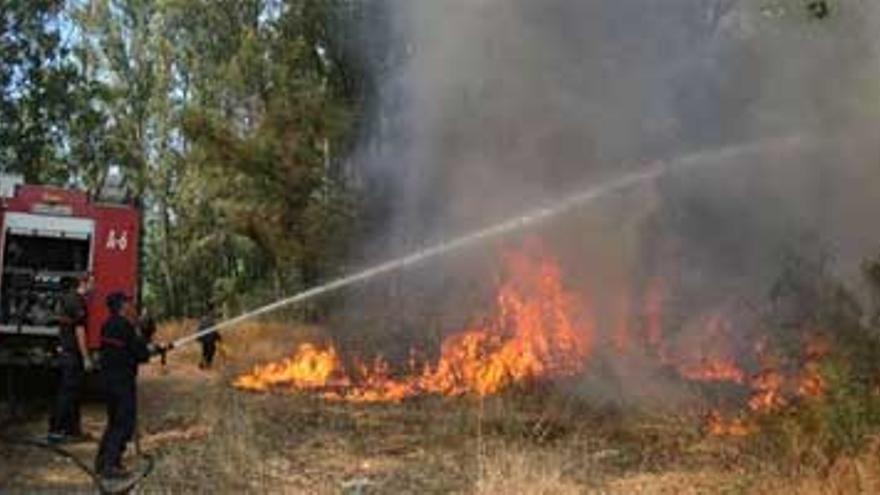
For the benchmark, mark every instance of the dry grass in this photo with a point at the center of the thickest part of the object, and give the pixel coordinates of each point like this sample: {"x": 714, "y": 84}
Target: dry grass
{"x": 524, "y": 472}
{"x": 222, "y": 457}
{"x": 847, "y": 475}
{"x": 544, "y": 444}
{"x": 209, "y": 438}
{"x": 203, "y": 431}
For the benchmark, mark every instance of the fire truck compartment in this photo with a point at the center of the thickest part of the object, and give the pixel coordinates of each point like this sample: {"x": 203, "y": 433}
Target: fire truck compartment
{"x": 40, "y": 253}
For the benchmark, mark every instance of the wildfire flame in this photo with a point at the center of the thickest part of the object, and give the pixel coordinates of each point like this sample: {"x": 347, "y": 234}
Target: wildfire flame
{"x": 769, "y": 390}
{"x": 812, "y": 384}
{"x": 309, "y": 368}
{"x": 717, "y": 426}
{"x": 538, "y": 330}
{"x": 767, "y": 396}
{"x": 536, "y": 333}
{"x": 709, "y": 370}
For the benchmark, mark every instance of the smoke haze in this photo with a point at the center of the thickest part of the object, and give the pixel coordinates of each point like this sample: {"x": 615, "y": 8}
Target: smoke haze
{"x": 501, "y": 105}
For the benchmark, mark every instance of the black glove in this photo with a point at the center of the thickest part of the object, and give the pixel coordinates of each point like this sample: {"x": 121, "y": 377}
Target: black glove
{"x": 157, "y": 349}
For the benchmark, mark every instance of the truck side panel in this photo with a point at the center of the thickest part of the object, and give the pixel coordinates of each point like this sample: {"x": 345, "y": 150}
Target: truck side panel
{"x": 115, "y": 262}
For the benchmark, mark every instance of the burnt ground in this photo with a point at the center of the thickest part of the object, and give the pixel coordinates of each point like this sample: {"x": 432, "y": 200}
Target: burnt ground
{"x": 209, "y": 438}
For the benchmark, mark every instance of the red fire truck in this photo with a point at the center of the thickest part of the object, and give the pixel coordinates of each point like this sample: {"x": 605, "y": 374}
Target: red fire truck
{"x": 49, "y": 235}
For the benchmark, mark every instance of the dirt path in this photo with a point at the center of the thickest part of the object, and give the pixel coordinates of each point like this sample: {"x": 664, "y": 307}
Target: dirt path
{"x": 26, "y": 469}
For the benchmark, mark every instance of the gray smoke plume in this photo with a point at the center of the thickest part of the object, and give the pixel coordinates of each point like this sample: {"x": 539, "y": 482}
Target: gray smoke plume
{"x": 494, "y": 106}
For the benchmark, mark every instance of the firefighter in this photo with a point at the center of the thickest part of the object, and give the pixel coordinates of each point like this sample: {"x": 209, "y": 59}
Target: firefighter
{"x": 73, "y": 362}
{"x": 122, "y": 350}
{"x": 209, "y": 340}
{"x": 147, "y": 325}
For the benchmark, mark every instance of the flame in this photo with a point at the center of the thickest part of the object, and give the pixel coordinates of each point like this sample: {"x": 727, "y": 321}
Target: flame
{"x": 767, "y": 392}
{"x": 712, "y": 370}
{"x": 536, "y": 334}
{"x": 309, "y": 368}
{"x": 713, "y": 363}
{"x": 811, "y": 383}
{"x": 769, "y": 387}
{"x": 717, "y": 426}
{"x": 538, "y": 330}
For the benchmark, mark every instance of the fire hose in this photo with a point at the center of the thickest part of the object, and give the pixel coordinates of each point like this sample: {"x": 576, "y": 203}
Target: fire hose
{"x": 512, "y": 225}
{"x": 103, "y": 487}
{"x": 528, "y": 219}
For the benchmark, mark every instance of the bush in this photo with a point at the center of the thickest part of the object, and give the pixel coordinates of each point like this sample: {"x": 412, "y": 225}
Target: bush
{"x": 816, "y": 432}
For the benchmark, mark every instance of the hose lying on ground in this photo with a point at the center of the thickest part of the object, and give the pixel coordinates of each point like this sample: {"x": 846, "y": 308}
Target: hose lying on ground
{"x": 102, "y": 486}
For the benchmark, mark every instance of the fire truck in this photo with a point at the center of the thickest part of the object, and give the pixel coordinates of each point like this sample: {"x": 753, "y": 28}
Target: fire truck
{"x": 49, "y": 236}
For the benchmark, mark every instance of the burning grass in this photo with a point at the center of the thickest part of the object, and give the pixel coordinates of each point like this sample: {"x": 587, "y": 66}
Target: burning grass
{"x": 541, "y": 331}
{"x": 536, "y": 443}
{"x": 207, "y": 437}
{"x": 501, "y": 408}
{"x": 536, "y": 332}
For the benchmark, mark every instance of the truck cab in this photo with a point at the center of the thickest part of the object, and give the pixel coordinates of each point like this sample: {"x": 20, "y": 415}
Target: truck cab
{"x": 49, "y": 236}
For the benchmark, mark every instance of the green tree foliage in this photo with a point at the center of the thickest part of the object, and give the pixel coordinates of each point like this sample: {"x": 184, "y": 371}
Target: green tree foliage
{"x": 229, "y": 117}
{"x": 270, "y": 139}
{"x": 49, "y": 112}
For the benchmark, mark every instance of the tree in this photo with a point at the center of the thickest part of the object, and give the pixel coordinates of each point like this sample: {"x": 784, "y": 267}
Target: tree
{"x": 44, "y": 100}
{"x": 225, "y": 116}
{"x": 268, "y": 117}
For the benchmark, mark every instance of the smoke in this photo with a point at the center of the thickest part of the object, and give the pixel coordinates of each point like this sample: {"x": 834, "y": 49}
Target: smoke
{"x": 494, "y": 106}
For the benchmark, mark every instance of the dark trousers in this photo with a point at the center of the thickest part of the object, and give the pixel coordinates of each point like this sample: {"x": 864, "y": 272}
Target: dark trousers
{"x": 121, "y": 397}
{"x": 209, "y": 348}
{"x": 65, "y": 417}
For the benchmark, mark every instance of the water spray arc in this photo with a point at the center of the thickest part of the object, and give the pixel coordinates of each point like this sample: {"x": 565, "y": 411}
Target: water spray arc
{"x": 522, "y": 222}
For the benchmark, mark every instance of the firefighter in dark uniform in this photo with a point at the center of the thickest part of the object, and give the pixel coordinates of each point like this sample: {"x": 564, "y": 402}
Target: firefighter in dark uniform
{"x": 208, "y": 340}
{"x": 73, "y": 362}
{"x": 147, "y": 325}
{"x": 122, "y": 350}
